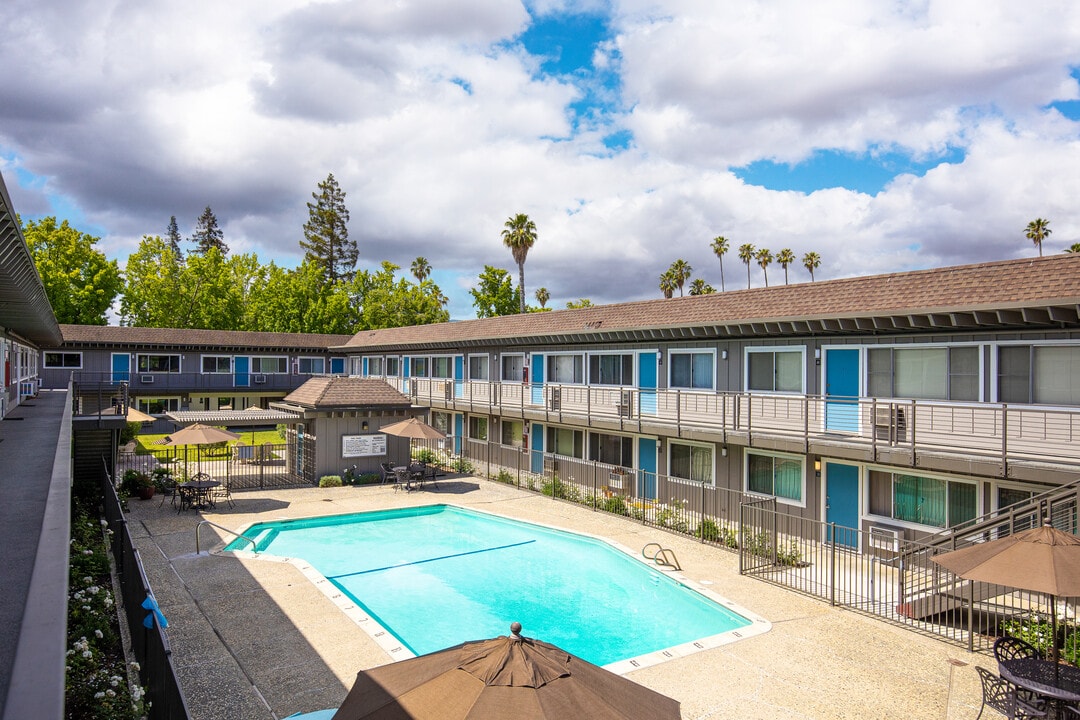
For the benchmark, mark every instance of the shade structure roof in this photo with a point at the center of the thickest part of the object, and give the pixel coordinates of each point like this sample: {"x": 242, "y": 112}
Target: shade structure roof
{"x": 251, "y": 416}
{"x": 506, "y": 677}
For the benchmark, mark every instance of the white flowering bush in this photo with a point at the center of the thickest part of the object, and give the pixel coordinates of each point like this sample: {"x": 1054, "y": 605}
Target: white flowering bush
{"x": 97, "y": 678}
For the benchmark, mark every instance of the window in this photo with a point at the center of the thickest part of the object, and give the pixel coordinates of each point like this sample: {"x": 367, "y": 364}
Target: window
{"x": 375, "y": 366}
{"x": 419, "y": 367}
{"x": 693, "y": 370}
{"x": 1010, "y": 496}
{"x": 158, "y": 406}
{"x": 157, "y": 363}
{"x": 478, "y": 367}
{"x": 565, "y": 369}
{"x": 564, "y": 441}
{"x": 441, "y": 422}
{"x": 216, "y": 364}
{"x": 777, "y": 475}
{"x": 225, "y": 403}
{"x": 922, "y": 500}
{"x": 611, "y": 449}
{"x": 312, "y": 366}
{"x": 1046, "y": 374}
{"x": 356, "y": 366}
{"x": 478, "y": 427}
{"x": 690, "y": 462}
{"x": 391, "y": 367}
{"x": 611, "y": 369}
{"x": 774, "y": 370}
{"x": 442, "y": 367}
{"x": 924, "y": 373}
{"x": 270, "y": 365}
{"x": 63, "y": 360}
{"x": 513, "y": 368}
{"x": 512, "y": 432}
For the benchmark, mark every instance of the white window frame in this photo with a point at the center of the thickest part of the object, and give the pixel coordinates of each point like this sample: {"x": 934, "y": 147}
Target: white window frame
{"x": 62, "y": 365}
{"x": 524, "y": 366}
{"x": 864, "y": 361}
{"x": 801, "y": 459}
{"x": 204, "y": 371}
{"x": 372, "y": 360}
{"x": 179, "y": 364}
{"x": 549, "y": 358}
{"x": 621, "y": 353}
{"x": 259, "y": 371}
{"x": 310, "y": 359}
{"x": 487, "y": 367}
{"x": 773, "y": 349}
{"x": 432, "y": 359}
{"x": 691, "y": 351}
{"x": 469, "y": 427}
{"x": 711, "y": 447}
{"x": 979, "y": 511}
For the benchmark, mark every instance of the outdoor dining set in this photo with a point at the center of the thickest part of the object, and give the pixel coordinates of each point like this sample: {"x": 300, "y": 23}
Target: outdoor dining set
{"x": 1027, "y": 686}
{"x": 199, "y": 493}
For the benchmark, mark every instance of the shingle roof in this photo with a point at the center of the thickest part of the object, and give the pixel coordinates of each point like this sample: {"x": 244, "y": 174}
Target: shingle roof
{"x": 345, "y": 392}
{"x": 962, "y": 296}
{"x": 172, "y": 337}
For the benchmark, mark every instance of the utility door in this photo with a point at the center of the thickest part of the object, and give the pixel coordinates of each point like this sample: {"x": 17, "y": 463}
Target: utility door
{"x": 842, "y": 390}
{"x": 842, "y": 503}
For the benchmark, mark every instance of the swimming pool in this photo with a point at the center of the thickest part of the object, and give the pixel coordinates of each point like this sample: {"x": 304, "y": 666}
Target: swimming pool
{"x": 439, "y": 575}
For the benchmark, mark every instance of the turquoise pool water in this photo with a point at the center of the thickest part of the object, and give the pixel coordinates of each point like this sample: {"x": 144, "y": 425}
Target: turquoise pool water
{"x": 439, "y": 575}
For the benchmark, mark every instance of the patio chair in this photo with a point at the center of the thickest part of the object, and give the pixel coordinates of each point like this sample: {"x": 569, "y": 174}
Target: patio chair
{"x": 388, "y": 474}
{"x": 222, "y": 492}
{"x": 1013, "y": 648}
{"x": 1000, "y": 694}
{"x": 186, "y": 497}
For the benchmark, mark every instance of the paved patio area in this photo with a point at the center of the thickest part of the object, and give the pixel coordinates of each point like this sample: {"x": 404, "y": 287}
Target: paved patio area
{"x": 255, "y": 639}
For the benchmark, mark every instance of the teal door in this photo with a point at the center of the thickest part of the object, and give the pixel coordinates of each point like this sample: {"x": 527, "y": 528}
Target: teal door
{"x": 536, "y": 377}
{"x": 459, "y": 376}
{"x": 646, "y": 484}
{"x": 536, "y": 452}
{"x": 647, "y": 382}
{"x": 459, "y": 430}
{"x": 121, "y": 367}
{"x": 842, "y": 503}
{"x": 404, "y": 375}
{"x": 241, "y": 367}
{"x": 842, "y": 390}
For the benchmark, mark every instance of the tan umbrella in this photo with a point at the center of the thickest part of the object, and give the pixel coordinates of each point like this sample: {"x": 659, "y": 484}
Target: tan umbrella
{"x": 199, "y": 434}
{"x": 414, "y": 429}
{"x": 1043, "y": 559}
{"x": 507, "y": 677}
{"x": 133, "y": 415}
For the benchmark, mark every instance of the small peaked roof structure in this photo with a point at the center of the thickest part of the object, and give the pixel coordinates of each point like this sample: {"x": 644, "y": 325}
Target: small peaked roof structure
{"x": 346, "y": 393}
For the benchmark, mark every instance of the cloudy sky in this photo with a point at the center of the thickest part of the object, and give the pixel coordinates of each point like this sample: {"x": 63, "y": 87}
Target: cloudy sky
{"x": 882, "y": 135}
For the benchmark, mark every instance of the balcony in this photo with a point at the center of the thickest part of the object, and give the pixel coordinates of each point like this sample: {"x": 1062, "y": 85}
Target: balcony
{"x": 140, "y": 383}
{"x": 1023, "y": 442}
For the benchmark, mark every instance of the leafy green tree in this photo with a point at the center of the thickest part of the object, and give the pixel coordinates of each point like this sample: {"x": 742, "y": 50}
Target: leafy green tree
{"x": 208, "y": 235}
{"x": 1074, "y": 248}
{"x": 764, "y": 259}
{"x": 720, "y": 248}
{"x": 519, "y": 234}
{"x": 421, "y": 269}
{"x": 326, "y": 235}
{"x": 668, "y": 284}
{"x": 300, "y": 301}
{"x": 579, "y": 303}
{"x": 746, "y": 254}
{"x": 152, "y": 285}
{"x": 700, "y": 287}
{"x": 387, "y": 301}
{"x": 785, "y": 257}
{"x": 172, "y": 233}
{"x": 494, "y": 293}
{"x": 811, "y": 261}
{"x": 79, "y": 281}
{"x": 680, "y": 270}
{"x": 1036, "y": 231}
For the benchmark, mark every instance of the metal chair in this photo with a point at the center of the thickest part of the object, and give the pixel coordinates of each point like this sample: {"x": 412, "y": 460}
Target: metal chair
{"x": 1000, "y": 694}
{"x": 388, "y": 474}
{"x": 222, "y": 491}
{"x": 1013, "y": 648}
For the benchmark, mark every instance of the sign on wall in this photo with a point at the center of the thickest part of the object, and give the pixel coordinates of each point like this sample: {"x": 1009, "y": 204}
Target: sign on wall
{"x": 363, "y": 445}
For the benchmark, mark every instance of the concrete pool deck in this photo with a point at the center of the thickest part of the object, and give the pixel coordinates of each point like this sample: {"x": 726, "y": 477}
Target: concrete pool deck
{"x": 253, "y": 638}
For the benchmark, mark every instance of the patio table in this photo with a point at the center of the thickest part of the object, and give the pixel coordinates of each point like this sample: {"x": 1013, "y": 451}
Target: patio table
{"x": 201, "y": 489}
{"x": 1056, "y": 682}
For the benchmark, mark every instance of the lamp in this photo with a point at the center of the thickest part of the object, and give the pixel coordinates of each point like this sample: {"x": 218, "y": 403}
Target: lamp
{"x": 723, "y": 450}
{"x": 817, "y": 353}
{"x": 817, "y": 467}
{"x": 723, "y": 354}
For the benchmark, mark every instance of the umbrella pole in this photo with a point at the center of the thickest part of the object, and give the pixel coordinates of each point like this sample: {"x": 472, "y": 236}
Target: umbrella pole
{"x": 1053, "y": 635}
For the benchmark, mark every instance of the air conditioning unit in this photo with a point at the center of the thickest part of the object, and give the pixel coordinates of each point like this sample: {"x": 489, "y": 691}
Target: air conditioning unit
{"x": 555, "y": 399}
{"x": 884, "y": 539}
{"x": 448, "y": 390}
{"x": 626, "y": 404}
{"x": 551, "y": 465}
{"x": 146, "y": 379}
{"x": 258, "y": 379}
{"x": 889, "y": 423}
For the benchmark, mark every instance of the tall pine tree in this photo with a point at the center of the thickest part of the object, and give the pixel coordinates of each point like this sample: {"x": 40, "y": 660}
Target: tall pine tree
{"x": 326, "y": 237}
{"x": 208, "y": 235}
{"x": 172, "y": 234}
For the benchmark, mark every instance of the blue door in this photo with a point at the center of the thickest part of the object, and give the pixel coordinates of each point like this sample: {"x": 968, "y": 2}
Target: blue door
{"x": 459, "y": 376}
{"x": 536, "y": 373}
{"x": 842, "y": 503}
{"x": 646, "y": 485}
{"x": 459, "y": 431}
{"x": 121, "y": 367}
{"x": 404, "y": 375}
{"x": 536, "y": 452}
{"x": 647, "y": 382}
{"x": 337, "y": 366}
{"x": 240, "y": 371}
{"x": 842, "y": 390}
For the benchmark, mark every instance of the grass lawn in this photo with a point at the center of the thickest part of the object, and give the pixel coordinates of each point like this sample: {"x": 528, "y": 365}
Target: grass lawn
{"x": 147, "y": 443}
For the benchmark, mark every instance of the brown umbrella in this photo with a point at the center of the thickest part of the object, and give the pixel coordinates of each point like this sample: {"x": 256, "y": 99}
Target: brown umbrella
{"x": 1042, "y": 559}
{"x": 414, "y": 429}
{"x": 199, "y": 434}
{"x": 133, "y": 415}
{"x": 507, "y": 677}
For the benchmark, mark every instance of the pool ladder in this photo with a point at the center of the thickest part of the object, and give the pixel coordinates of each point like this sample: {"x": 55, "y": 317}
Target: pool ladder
{"x": 661, "y": 555}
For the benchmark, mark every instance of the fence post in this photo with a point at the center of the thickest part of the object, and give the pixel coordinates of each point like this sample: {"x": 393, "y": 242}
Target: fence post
{"x": 701, "y": 524}
{"x": 971, "y": 616}
{"x": 1004, "y": 440}
{"x": 832, "y": 564}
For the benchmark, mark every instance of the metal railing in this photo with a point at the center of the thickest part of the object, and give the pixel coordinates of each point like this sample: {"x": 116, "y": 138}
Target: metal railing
{"x": 198, "y": 550}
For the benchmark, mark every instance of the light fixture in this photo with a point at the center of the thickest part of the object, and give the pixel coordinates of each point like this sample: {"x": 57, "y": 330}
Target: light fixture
{"x": 817, "y": 465}
{"x": 817, "y": 353}
{"x": 723, "y": 450}
{"x": 364, "y": 425}
{"x": 723, "y": 354}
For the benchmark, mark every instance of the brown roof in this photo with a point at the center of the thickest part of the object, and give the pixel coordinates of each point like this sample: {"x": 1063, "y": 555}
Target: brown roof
{"x": 345, "y": 392}
{"x": 172, "y": 337}
{"x": 981, "y": 295}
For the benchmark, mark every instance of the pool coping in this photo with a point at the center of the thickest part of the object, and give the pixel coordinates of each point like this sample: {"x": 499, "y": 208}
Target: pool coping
{"x": 396, "y": 650}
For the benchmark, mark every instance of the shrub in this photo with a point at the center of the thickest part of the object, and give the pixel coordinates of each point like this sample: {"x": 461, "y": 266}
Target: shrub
{"x": 708, "y": 530}
{"x": 561, "y": 490}
{"x": 129, "y": 432}
{"x": 425, "y": 455}
{"x": 615, "y": 505}
{"x": 368, "y": 478}
{"x": 461, "y": 465}
{"x": 504, "y": 476}
{"x": 1037, "y": 631}
{"x": 133, "y": 481}
{"x": 330, "y": 481}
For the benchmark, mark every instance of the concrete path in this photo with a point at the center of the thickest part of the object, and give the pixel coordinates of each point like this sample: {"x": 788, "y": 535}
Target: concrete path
{"x": 255, "y": 639}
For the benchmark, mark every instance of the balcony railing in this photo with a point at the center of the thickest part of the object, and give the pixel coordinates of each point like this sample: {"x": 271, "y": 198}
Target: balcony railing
{"x": 140, "y": 383}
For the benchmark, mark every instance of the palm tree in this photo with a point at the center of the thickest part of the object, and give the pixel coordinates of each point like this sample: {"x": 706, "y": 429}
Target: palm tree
{"x": 542, "y": 296}
{"x": 421, "y": 269}
{"x": 667, "y": 284}
{"x": 1036, "y": 232}
{"x": 746, "y": 254}
{"x": 519, "y": 234}
{"x": 680, "y": 270}
{"x": 785, "y": 257}
{"x": 720, "y": 248}
{"x": 810, "y": 261}
{"x": 764, "y": 257}
{"x": 700, "y": 287}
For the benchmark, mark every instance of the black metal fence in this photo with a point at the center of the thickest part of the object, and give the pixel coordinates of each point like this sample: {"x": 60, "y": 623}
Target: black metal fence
{"x": 242, "y": 467}
{"x": 149, "y": 644}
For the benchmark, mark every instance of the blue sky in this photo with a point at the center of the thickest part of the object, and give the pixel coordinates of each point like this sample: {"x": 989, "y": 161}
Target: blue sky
{"x": 882, "y": 138}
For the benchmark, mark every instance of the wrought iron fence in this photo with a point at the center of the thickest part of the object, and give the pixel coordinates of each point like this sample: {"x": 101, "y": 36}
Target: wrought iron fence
{"x": 241, "y": 466}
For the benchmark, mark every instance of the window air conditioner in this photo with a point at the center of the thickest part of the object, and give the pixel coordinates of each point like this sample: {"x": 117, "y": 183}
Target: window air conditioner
{"x": 884, "y": 539}
{"x": 147, "y": 379}
{"x": 258, "y": 379}
{"x": 626, "y": 404}
{"x": 555, "y": 399}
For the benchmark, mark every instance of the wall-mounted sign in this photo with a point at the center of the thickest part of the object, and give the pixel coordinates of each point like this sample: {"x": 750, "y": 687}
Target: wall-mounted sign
{"x": 363, "y": 445}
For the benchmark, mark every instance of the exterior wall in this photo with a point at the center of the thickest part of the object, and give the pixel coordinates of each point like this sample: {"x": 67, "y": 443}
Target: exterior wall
{"x": 19, "y": 373}
{"x": 329, "y": 428}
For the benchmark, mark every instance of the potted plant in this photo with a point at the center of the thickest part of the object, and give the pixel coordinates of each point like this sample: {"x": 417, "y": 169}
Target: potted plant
{"x": 137, "y": 483}
{"x": 162, "y": 480}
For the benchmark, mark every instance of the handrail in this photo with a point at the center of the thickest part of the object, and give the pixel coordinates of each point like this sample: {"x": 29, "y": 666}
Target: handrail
{"x": 254, "y": 546}
{"x": 663, "y": 556}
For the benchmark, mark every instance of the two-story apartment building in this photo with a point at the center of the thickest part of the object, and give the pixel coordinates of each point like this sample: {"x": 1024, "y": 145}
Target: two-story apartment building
{"x": 899, "y": 404}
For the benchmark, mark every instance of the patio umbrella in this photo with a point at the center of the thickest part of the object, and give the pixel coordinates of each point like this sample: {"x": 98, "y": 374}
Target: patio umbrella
{"x": 199, "y": 434}
{"x": 133, "y": 415}
{"x": 414, "y": 429}
{"x": 506, "y": 677}
{"x": 1042, "y": 559}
